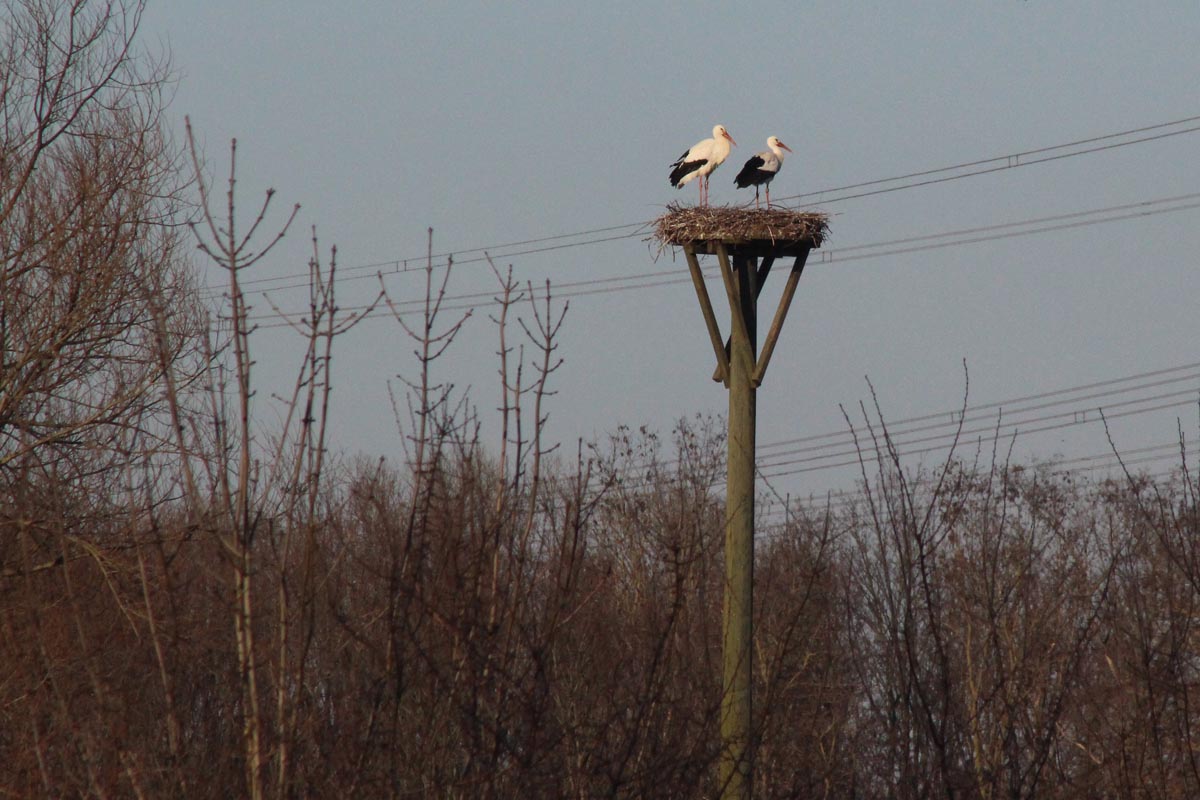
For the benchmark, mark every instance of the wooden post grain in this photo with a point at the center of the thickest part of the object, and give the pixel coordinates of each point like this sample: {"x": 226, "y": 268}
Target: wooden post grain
{"x": 737, "y": 753}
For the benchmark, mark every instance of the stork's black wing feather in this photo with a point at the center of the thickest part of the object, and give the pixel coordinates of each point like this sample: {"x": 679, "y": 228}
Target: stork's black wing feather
{"x": 749, "y": 173}
{"x": 685, "y": 168}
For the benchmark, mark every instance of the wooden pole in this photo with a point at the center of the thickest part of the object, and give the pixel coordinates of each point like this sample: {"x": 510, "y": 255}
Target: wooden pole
{"x": 737, "y": 627}
{"x": 742, "y": 370}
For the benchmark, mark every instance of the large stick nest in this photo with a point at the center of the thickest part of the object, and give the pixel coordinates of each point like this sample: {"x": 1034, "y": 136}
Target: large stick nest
{"x": 683, "y": 225}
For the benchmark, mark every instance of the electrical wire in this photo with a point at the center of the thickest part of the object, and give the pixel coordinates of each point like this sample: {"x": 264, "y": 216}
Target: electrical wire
{"x": 608, "y": 285}
{"x": 953, "y": 414}
{"x": 1002, "y": 163}
{"x": 975, "y": 416}
{"x": 827, "y": 196}
{"x": 1010, "y": 423}
{"x": 950, "y": 441}
{"x": 872, "y": 250}
{"x": 1108, "y": 462}
{"x": 1014, "y": 157}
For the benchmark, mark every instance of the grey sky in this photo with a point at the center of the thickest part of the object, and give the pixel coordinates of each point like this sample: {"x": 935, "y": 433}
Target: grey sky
{"x": 507, "y": 122}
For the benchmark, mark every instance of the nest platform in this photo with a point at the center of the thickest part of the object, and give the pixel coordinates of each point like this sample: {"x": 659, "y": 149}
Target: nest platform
{"x": 748, "y": 232}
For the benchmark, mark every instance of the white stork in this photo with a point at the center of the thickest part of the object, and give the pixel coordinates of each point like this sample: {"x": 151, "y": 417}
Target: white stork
{"x": 761, "y": 168}
{"x": 699, "y": 160}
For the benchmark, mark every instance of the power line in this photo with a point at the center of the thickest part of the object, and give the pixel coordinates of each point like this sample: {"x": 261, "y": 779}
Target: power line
{"x": 458, "y": 262}
{"x": 1011, "y": 401}
{"x": 927, "y": 242}
{"x": 1152, "y": 454}
{"x": 934, "y": 241}
{"x": 1108, "y": 461}
{"x": 1002, "y": 163}
{"x": 951, "y": 439}
{"x": 1014, "y": 157}
{"x": 1012, "y": 409}
{"x": 856, "y": 457}
{"x": 1068, "y": 466}
{"x": 632, "y": 229}
{"x": 963, "y": 232}
{"x": 976, "y": 414}
{"x": 1062, "y": 226}
{"x": 1006, "y": 425}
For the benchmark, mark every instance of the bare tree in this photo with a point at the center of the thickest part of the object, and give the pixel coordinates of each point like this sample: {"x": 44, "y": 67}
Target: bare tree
{"x": 90, "y": 194}
{"x": 89, "y": 187}
{"x": 240, "y": 491}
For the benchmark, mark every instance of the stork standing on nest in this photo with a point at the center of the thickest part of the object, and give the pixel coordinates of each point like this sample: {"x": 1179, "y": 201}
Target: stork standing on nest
{"x": 762, "y": 168}
{"x": 699, "y": 161}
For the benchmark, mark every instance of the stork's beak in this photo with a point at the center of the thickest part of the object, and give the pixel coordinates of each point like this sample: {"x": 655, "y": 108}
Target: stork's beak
{"x": 785, "y": 147}
{"x": 730, "y": 138}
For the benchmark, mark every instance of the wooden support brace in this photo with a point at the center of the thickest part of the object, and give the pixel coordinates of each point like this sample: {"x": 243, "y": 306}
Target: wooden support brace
{"x": 710, "y": 320}
{"x": 736, "y": 315}
{"x": 785, "y": 302}
{"x": 764, "y": 269}
{"x": 735, "y": 308}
